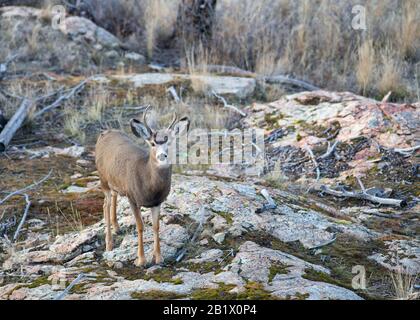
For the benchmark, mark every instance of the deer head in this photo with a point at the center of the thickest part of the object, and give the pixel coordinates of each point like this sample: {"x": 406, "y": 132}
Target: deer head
{"x": 159, "y": 140}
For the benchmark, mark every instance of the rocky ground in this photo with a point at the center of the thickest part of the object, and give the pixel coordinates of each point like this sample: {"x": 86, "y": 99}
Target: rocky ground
{"x": 220, "y": 240}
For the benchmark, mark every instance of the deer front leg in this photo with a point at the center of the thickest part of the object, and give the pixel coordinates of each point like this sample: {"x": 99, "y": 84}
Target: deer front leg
{"x": 108, "y": 234}
{"x": 141, "y": 261}
{"x": 114, "y": 220}
{"x": 155, "y": 222}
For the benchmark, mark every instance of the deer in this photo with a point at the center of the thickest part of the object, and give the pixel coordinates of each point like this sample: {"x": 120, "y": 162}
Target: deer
{"x": 140, "y": 173}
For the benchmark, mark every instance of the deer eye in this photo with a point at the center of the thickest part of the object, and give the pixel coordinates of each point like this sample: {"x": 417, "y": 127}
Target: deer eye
{"x": 152, "y": 143}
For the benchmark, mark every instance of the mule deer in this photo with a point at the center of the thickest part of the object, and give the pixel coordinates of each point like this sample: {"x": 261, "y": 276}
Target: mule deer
{"x": 142, "y": 174}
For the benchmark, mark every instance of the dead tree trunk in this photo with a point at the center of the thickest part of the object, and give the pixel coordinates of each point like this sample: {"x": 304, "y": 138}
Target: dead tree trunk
{"x": 15, "y": 123}
{"x": 195, "y": 23}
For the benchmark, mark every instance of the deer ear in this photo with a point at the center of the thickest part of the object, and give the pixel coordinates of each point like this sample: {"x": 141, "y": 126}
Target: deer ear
{"x": 182, "y": 126}
{"x": 139, "y": 129}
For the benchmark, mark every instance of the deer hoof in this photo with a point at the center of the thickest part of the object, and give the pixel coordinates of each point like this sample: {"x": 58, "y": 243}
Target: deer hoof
{"x": 116, "y": 230}
{"x": 158, "y": 259}
{"x": 140, "y": 262}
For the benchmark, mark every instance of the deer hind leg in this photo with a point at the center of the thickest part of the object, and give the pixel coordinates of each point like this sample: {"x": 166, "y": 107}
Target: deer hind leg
{"x": 114, "y": 220}
{"x": 141, "y": 260}
{"x": 155, "y": 222}
{"x": 108, "y": 234}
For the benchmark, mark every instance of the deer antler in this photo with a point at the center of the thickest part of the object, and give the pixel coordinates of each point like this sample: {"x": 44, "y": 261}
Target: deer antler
{"x": 144, "y": 118}
{"x": 173, "y": 121}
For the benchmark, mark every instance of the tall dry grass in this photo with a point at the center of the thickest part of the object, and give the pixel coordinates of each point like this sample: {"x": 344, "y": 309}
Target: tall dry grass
{"x": 308, "y": 39}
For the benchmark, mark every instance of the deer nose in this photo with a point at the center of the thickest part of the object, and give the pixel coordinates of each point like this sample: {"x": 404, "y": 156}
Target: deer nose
{"x": 162, "y": 157}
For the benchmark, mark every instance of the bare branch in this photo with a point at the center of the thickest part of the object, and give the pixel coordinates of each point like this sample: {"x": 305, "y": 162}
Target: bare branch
{"x": 174, "y": 94}
{"x": 363, "y": 196}
{"x": 70, "y": 286}
{"x": 63, "y": 98}
{"x": 22, "y": 221}
{"x": 329, "y": 151}
{"x": 226, "y": 105}
{"x": 26, "y": 188}
{"x": 311, "y": 154}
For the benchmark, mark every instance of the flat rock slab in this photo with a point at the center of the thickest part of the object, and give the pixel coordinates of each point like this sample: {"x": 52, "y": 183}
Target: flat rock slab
{"x": 237, "y": 87}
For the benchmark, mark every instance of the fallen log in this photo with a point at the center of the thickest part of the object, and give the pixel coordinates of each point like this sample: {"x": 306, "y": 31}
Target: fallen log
{"x": 15, "y": 123}
{"x": 362, "y": 195}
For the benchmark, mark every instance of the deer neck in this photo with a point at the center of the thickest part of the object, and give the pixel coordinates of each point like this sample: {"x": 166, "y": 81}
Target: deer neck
{"x": 159, "y": 176}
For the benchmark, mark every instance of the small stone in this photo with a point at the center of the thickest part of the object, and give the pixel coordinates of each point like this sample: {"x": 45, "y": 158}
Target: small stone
{"x": 76, "y": 176}
{"x": 219, "y": 237}
{"x": 204, "y": 242}
{"x": 75, "y": 189}
{"x": 219, "y": 223}
{"x": 135, "y": 57}
{"x": 83, "y": 162}
{"x": 153, "y": 269}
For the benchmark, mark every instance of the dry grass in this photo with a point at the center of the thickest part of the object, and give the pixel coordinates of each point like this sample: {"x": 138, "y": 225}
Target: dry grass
{"x": 365, "y": 65}
{"x": 403, "y": 285}
{"x": 311, "y": 40}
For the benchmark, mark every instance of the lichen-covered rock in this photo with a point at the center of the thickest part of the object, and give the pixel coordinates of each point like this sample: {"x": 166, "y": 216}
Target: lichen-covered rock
{"x": 172, "y": 238}
{"x": 258, "y": 264}
{"x": 403, "y": 256}
{"x": 212, "y": 255}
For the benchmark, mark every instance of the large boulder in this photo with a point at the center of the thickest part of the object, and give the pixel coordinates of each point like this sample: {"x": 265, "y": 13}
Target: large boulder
{"x": 77, "y": 45}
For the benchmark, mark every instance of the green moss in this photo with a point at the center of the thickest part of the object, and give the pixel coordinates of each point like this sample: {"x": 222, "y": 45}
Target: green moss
{"x": 298, "y": 296}
{"x": 38, "y": 282}
{"x": 314, "y": 275}
{"x": 205, "y": 267}
{"x": 253, "y": 291}
{"x": 160, "y": 275}
{"x": 156, "y": 295}
{"x": 272, "y": 119}
{"x": 277, "y": 268}
{"x": 219, "y": 293}
{"x": 227, "y": 216}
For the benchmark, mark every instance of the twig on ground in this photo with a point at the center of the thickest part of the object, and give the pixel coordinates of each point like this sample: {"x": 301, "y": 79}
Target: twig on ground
{"x": 407, "y": 152}
{"x": 311, "y": 154}
{"x": 26, "y": 188}
{"x": 270, "y": 205}
{"x": 70, "y": 286}
{"x": 226, "y": 105}
{"x": 324, "y": 244}
{"x": 330, "y": 150}
{"x": 22, "y": 221}
{"x": 174, "y": 94}
{"x": 386, "y": 97}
